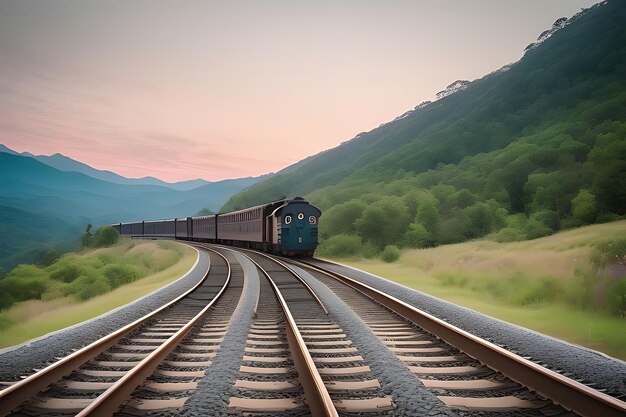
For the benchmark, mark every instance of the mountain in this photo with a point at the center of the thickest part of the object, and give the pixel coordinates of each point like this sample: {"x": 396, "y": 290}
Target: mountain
{"x": 4, "y": 149}
{"x": 64, "y": 163}
{"x": 533, "y": 147}
{"x": 41, "y": 205}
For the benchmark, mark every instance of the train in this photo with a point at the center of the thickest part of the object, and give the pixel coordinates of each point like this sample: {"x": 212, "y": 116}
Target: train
{"x": 283, "y": 227}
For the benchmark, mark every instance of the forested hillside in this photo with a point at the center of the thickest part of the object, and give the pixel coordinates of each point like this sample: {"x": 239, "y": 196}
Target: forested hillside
{"x": 535, "y": 147}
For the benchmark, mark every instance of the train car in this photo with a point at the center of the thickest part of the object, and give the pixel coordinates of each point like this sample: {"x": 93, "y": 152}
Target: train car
{"x": 136, "y": 229}
{"x": 126, "y": 228}
{"x": 245, "y": 228}
{"x": 169, "y": 228}
{"x": 149, "y": 228}
{"x": 285, "y": 227}
{"x": 203, "y": 229}
{"x": 181, "y": 228}
{"x": 160, "y": 228}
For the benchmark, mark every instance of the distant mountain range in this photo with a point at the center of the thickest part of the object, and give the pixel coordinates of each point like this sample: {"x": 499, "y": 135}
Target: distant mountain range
{"x": 63, "y": 163}
{"x": 48, "y": 200}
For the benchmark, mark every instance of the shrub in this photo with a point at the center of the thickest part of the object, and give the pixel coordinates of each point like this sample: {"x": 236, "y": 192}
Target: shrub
{"x": 24, "y": 282}
{"x": 341, "y": 245}
{"x": 533, "y": 229}
{"x": 370, "y": 250}
{"x": 509, "y": 234}
{"x": 609, "y": 252}
{"x": 548, "y": 218}
{"x": 390, "y": 254}
{"x": 118, "y": 275}
{"x": 418, "y": 236}
{"x": 584, "y": 207}
{"x": 55, "y": 290}
{"x": 89, "y": 286}
{"x": 105, "y": 236}
{"x": 66, "y": 271}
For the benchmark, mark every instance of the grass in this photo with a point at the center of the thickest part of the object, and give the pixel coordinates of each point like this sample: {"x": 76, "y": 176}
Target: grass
{"x": 548, "y": 284}
{"x": 34, "y": 318}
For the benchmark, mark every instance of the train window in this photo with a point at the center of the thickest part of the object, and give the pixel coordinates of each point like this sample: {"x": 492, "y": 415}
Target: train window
{"x": 300, "y": 216}
{"x": 312, "y": 219}
{"x": 288, "y": 219}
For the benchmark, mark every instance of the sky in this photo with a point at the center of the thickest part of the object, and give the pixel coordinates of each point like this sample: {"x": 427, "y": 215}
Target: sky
{"x": 227, "y": 89}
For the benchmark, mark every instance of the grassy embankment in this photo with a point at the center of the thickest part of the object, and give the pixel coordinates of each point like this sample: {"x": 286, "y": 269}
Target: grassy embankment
{"x": 548, "y": 284}
{"x": 157, "y": 262}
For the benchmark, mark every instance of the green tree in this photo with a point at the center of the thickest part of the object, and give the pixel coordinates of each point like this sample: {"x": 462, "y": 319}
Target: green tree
{"x": 584, "y": 207}
{"x": 418, "y": 237}
{"x": 463, "y": 198}
{"x": 428, "y": 216}
{"x": 533, "y": 229}
{"x": 384, "y": 222}
{"x": 105, "y": 236}
{"x": 481, "y": 219}
{"x": 340, "y": 219}
{"x": 514, "y": 176}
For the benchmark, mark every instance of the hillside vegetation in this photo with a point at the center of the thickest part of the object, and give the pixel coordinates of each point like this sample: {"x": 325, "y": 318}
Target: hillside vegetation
{"x": 537, "y": 147}
{"x": 571, "y": 285}
{"x": 37, "y": 299}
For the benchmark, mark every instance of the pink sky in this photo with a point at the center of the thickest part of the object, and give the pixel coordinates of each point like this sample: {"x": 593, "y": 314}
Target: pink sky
{"x": 215, "y": 90}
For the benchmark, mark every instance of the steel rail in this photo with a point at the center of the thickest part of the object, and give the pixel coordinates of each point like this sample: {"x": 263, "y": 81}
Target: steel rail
{"x": 317, "y": 396}
{"x": 291, "y": 271}
{"x": 18, "y": 393}
{"x": 107, "y": 403}
{"x": 562, "y": 390}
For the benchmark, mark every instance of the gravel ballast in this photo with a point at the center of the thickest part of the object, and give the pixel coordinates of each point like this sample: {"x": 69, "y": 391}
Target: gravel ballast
{"x": 409, "y": 395}
{"x": 37, "y": 353}
{"x": 591, "y": 367}
{"x": 213, "y": 393}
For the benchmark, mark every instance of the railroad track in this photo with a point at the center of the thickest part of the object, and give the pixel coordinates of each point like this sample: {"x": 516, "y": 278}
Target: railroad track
{"x": 466, "y": 373}
{"x": 340, "y": 382}
{"x": 298, "y": 359}
{"x": 163, "y": 353}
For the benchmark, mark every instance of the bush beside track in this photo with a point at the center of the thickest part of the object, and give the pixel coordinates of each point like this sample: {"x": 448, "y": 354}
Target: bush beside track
{"x": 78, "y": 286}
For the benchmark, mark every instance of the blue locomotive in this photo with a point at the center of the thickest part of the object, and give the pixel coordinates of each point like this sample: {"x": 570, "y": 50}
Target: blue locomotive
{"x": 284, "y": 227}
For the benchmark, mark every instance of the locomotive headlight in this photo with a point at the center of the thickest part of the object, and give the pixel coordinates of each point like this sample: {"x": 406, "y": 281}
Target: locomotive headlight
{"x": 300, "y": 216}
{"x": 312, "y": 219}
{"x": 288, "y": 219}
